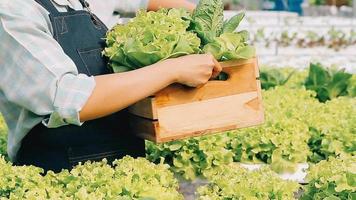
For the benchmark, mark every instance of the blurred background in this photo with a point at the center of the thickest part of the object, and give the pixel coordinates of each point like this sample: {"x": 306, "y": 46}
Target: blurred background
{"x": 294, "y": 33}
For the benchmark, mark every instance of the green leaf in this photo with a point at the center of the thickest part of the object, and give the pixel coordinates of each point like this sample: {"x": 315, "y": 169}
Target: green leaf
{"x": 208, "y": 20}
{"x": 232, "y": 24}
{"x": 328, "y": 83}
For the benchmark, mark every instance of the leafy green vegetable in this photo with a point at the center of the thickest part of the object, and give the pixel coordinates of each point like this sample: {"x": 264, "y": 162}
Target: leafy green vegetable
{"x": 189, "y": 158}
{"x": 328, "y": 84}
{"x": 298, "y": 129}
{"x": 208, "y": 20}
{"x": 332, "y": 179}
{"x": 234, "y": 182}
{"x": 128, "y": 179}
{"x": 149, "y": 38}
{"x": 282, "y": 140}
{"x": 230, "y": 46}
{"x": 332, "y": 127}
{"x": 218, "y": 37}
{"x": 154, "y": 36}
{"x": 271, "y": 78}
{"x": 351, "y": 90}
{"x": 232, "y": 24}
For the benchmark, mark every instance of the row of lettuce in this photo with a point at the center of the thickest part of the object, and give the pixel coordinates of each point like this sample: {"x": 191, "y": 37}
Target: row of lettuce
{"x": 140, "y": 179}
{"x": 299, "y": 128}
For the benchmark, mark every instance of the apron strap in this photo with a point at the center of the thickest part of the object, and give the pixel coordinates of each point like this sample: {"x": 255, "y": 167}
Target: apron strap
{"x": 48, "y": 5}
{"x": 84, "y": 3}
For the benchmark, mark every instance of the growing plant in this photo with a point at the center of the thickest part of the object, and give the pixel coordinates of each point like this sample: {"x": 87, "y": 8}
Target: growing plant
{"x": 334, "y": 179}
{"x": 128, "y": 179}
{"x": 271, "y": 77}
{"x": 327, "y": 83}
{"x": 234, "y": 182}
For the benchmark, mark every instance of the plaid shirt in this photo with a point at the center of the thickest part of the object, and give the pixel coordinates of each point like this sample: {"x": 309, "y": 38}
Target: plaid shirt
{"x": 39, "y": 82}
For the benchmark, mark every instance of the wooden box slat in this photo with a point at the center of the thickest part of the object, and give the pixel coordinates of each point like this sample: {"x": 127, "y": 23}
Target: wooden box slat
{"x": 178, "y": 112}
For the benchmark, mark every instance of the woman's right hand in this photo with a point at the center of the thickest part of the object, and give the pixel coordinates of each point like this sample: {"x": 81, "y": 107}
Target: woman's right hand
{"x": 193, "y": 70}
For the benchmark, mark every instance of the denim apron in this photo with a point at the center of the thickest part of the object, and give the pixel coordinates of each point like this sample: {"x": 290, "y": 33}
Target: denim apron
{"x": 80, "y": 34}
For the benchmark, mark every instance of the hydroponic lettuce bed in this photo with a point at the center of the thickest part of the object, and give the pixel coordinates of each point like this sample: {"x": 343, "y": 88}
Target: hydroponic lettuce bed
{"x": 299, "y": 128}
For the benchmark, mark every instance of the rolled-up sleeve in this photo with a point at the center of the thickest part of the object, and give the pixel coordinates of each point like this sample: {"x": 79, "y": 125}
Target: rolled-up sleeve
{"x": 35, "y": 72}
{"x": 130, "y": 6}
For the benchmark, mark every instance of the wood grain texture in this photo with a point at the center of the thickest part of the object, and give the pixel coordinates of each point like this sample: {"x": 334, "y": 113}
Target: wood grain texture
{"x": 199, "y": 118}
{"x": 178, "y": 112}
{"x": 242, "y": 78}
{"x": 145, "y": 108}
{"x": 208, "y": 114}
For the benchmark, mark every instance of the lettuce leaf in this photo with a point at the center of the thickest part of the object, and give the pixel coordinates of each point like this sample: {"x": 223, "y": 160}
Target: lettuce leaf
{"x": 327, "y": 83}
{"x": 208, "y": 20}
{"x": 149, "y": 38}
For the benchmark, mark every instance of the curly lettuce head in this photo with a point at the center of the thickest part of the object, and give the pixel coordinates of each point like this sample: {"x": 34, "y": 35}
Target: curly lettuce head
{"x": 149, "y": 38}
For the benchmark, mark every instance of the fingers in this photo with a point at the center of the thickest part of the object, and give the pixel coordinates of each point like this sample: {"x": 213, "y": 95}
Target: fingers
{"x": 217, "y": 68}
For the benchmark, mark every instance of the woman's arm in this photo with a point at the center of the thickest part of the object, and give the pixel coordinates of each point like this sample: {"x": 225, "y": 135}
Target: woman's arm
{"x": 157, "y": 4}
{"x": 115, "y": 92}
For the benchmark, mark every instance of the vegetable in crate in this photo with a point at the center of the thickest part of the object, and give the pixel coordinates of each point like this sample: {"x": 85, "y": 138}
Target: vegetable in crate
{"x": 154, "y": 36}
{"x": 218, "y": 37}
{"x": 149, "y": 38}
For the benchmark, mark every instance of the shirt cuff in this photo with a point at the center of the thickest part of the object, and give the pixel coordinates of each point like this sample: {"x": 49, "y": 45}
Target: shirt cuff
{"x": 73, "y": 91}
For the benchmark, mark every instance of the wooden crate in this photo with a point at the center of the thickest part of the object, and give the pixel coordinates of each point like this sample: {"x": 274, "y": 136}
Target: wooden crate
{"x": 178, "y": 112}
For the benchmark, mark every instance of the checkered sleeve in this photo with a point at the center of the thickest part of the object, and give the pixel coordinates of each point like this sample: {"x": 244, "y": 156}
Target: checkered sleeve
{"x": 35, "y": 72}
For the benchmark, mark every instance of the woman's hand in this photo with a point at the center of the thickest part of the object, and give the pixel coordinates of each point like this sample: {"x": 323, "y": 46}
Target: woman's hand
{"x": 193, "y": 70}
{"x": 114, "y": 92}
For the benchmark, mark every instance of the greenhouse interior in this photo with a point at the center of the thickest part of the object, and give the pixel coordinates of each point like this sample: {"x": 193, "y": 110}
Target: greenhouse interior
{"x": 242, "y": 99}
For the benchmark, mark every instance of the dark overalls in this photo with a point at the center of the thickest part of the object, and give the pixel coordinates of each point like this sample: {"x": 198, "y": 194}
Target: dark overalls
{"x": 80, "y": 34}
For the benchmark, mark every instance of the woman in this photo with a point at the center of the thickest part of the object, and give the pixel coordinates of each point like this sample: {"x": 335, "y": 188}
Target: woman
{"x": 60, "y": 101}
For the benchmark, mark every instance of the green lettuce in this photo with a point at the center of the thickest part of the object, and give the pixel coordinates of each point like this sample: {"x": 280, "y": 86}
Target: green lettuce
{"x": 127, "y": 179}
{"x": 234, "y": 182}
{"x": 333, "y": 179}
{"x": 218, "y": 36}
{"x": 328, "y": 83}
{"x": 150, "y": 37}
{"x": 207, "y": 20}
{"x": 271, "y": 78}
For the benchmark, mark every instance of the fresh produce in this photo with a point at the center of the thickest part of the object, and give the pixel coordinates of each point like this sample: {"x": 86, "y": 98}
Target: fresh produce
{"x": 351, "y": 90}
{"x": 298, "y": 129}
{"x": 154, "y": 36}
{"x": 149, "y": 38}
{"x": 189, "y": 158}
{"x": 282, "y": 140}
{"x": 218, "y": 37}
{"x": 128, "y": 179}
{"x": 234, "y": 182}
{"x": 271, "y": 77}
{"x": 333, "y": 179}
{"x": 333, "y": 129}
{"x": 327, "y": 83}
